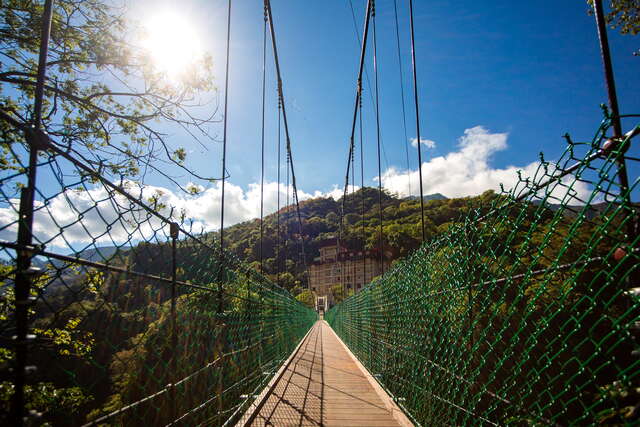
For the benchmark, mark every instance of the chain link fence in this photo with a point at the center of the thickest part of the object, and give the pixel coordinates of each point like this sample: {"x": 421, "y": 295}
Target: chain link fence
{"x": 524, "y": 312}
{"x": 115, "y": 310}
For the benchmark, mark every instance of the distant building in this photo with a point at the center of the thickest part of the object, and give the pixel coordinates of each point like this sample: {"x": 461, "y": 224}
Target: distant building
{"x": 339, "y": 266}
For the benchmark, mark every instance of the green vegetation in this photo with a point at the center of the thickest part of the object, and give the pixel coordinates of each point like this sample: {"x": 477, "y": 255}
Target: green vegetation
{"x": 479, "y": 326}
{"x": 623, "y": 15}
{"x": 68, "y": 342}
{"x": 517, "y": 314}
{"x": 105, "y": 340}
{"x": 104, "y": 97}
{"x": 401, "y": 229}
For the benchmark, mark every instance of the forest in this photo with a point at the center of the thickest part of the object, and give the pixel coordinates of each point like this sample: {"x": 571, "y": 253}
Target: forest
{"x": 401, "y": 230}
{"x": 360, "y": 229}
{"x": 75, "y": 302}
{"x": 94, "y": 371}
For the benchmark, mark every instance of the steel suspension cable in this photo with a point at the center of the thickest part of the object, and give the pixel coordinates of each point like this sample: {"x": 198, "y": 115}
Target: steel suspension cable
{"x": 404, "y": 114}
{"x": 286, "y": 232}
{"x": 224, "y": 126}
{"x": 612, "y": 94}
{"x": 264, "y": 76}
{"x": 363, "y": 49}
{"x": 24, "y": 267}
{"x": 357, "y": 104}
{"x": 287, "y": 135}
{"x": 353, "y": 171}
{"x": 355, "y": 30}
{"x": 364, "y": 243}
{"x": 415, "y": 97}
{"x": 377, "y": 97}
{"x": 366, "y": 74}
{"x": 278, "y": 237}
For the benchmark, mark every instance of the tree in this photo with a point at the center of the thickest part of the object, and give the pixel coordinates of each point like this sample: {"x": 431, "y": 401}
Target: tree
{"x": 623, "y": 15}
{"x": 337, "y": 292}
{"x": 67, "y": 342}
{"x": 287, "y": 280}
{"x": 104, "y": 95}
{"x": 296, "y": 290}
{"x": 306, "y": 297}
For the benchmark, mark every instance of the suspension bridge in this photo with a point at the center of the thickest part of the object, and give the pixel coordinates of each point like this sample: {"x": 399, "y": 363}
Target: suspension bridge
{"x": 524, "y": 312}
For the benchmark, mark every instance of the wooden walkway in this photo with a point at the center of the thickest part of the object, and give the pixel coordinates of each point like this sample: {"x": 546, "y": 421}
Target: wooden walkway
{"x": 323, "y": 385}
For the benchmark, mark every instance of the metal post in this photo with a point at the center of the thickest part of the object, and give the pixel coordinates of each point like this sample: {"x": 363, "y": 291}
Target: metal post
{"x": 221, "y": 338}
{"x": 24, "y": 270}
{"x": 616, "y": 122}
{"x": 608, "y": 67}
{"x": 632, "y": 230}
{"x": 221, "y": 355}
{"x": 613, "y": 104}
{"x": 174, "y": 232}
{"x": 470, "y": 302}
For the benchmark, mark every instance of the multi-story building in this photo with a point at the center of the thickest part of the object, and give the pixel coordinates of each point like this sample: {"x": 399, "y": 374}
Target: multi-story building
{"x": 339, "y": 266}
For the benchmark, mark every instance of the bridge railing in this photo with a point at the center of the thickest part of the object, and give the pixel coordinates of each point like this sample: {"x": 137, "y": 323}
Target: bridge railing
{"x": 115, "y": 309}
{"x": 525, "y": 311}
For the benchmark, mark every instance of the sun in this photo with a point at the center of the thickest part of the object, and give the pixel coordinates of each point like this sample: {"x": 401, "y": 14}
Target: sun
{"x": 172, "y": 44}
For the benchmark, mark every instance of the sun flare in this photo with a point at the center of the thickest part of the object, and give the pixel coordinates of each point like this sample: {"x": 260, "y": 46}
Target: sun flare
{"x": 172, "y": 44}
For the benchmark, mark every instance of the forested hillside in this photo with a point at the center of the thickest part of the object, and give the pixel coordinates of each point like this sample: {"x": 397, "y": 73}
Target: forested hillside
{"x": 321, "y": 219}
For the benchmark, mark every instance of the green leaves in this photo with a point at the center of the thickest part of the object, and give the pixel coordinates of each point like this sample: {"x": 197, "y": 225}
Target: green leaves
{"x": 101, "y": 97}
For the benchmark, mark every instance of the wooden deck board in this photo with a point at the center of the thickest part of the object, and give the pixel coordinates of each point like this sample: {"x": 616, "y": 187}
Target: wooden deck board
{"x": 323, "y": 386}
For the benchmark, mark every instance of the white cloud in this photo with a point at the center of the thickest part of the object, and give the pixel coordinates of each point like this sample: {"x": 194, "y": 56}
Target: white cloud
{"x": 426, "y": 142}
{"x": 85, "y": 216}
{"x": 336, "y": 192}
{"x": 467, "y": 171}
{"x": 108, "y": 218}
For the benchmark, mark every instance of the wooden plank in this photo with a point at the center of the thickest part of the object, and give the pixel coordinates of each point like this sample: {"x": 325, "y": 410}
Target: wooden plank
{"x": 322, "y": 385}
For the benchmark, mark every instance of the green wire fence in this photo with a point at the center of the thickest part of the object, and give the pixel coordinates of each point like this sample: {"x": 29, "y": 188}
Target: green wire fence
{"x": 525, "y": 312}
{"x": 132, "y": 317}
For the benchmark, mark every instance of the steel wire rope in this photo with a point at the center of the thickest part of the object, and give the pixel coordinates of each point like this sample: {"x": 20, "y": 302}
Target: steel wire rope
{"x": 287, "y": 137}
{"x": 404, "y": 114}
{"x": 357, "y": 107}
{"x": 359, "y": 41}
{"x": 150, "y": 212}
{"x": 286, "y": 232}
{"x": 264, "y": 75}
{"x": 220, "y": 339}
{"x": 415, "y": 97}
{"x": 377, "y": 97}
{"x": 51, "y": 145}
{"x": 364, "y": 243}
{"x": 278, "y": 236}
{"x": 366, "y": 74}
{"x": 224, "y": 127}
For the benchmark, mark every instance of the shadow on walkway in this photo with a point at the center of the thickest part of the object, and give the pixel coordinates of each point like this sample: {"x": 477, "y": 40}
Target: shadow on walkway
{"x": 322, "y": 386}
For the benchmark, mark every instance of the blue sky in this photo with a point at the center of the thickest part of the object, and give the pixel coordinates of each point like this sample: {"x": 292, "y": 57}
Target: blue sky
{"x": 499, "y": 82}
{"x": 528, "y": 69}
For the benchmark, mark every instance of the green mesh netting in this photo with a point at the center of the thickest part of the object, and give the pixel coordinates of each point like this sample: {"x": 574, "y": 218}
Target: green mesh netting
{"x": 522, "y": 312}
{"x": 120, "y": 336}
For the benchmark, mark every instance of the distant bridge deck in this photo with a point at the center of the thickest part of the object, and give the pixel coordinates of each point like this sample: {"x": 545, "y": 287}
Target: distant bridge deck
{"x": 322, "y": 384}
